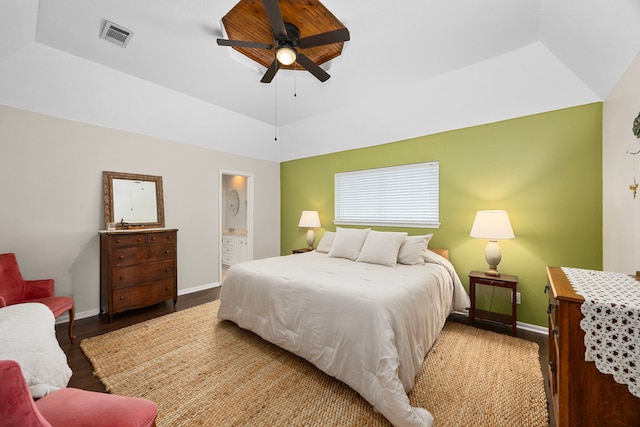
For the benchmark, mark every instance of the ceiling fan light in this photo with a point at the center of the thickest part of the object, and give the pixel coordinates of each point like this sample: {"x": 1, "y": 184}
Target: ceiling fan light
{"x": 286, "y": 55}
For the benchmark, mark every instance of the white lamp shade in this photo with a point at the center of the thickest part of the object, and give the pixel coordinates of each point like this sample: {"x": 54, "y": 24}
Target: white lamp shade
{"x": 309, "y": 219}
{"x": 492, "y": 225}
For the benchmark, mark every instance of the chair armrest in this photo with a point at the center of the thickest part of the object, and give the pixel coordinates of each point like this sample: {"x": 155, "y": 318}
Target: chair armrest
{"x": 3, "y": 303}
{"x": 38, "y": 289}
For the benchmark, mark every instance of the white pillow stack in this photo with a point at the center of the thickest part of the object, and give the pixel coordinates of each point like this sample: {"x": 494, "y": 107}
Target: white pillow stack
{"x": 375, "y": 247}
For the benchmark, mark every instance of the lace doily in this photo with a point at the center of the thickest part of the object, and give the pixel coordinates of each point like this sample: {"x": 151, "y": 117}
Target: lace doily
{"x": 611, "y": 322}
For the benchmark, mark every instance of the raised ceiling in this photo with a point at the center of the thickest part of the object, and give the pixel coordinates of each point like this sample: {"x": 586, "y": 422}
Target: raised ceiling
{"x": 411, "y": 68}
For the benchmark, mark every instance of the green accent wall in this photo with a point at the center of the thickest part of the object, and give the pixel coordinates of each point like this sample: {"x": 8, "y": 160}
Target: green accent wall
{"x": 544, "y": 169}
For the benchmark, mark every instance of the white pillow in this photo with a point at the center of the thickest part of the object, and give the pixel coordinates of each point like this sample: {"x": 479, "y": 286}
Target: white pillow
{"x": 326, "y": 242}
{"x": 381, "y": 247}
{"x": 348, "y": 242}
{"x": 413, "y": 249}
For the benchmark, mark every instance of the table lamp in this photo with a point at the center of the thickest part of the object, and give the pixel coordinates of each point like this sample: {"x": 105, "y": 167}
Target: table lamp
{"x": 492, "y": 225}
{"x": 310, "y": 219}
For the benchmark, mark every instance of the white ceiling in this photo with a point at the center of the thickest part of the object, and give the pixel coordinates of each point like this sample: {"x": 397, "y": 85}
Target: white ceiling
{"x": 448, "y": 64}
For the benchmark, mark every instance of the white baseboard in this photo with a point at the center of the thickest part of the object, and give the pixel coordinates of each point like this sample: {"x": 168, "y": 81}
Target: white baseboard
{"x": 94, "y": 312}
{"x": 520, "y": 325}
{"x": 198, "y": 288}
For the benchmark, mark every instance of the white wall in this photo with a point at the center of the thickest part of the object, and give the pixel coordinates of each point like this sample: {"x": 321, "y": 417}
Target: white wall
{"x": 621, "y": 212}
{"x": 51, "y": 199}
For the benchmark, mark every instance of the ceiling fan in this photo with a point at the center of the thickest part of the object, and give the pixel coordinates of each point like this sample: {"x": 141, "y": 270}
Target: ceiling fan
{"x": 287, "y": 44}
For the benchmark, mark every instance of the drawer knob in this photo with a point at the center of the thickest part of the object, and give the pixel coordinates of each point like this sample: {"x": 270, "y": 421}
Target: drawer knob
{"x": 167, "y": 251}
{"x": 167, "y": 270}
{"x": 153, "y": 238}
{"x": 121, "y": 297}
{"x": 117, "y": 240}
{"x": 166, "y": 288}
{"x": 139, "y": 239}
{"x": 121, "y": 257}
{"x": 121, "y": 277}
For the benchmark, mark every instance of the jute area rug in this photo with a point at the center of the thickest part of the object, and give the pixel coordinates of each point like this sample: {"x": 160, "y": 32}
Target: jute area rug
{"x": 202, "y": 371}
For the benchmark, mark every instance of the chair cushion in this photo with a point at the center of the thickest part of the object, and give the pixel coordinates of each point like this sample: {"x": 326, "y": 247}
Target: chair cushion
{"x": 11, "y": 281}
{"x": 73, "y": 407}
{"x": 58, "y": 305}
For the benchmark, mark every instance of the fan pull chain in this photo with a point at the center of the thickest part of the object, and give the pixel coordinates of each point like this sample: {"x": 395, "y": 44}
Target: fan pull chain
{"x": 275, "y": 128}
{"x": 295, "y": 79}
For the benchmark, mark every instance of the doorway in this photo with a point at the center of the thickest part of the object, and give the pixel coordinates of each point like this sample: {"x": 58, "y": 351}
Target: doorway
{"x": 235, "y": 219}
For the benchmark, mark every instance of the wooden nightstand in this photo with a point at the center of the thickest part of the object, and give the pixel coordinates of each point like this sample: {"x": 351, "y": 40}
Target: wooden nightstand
{"x": 502, "y": 281}
{"x": 301, "y": 250}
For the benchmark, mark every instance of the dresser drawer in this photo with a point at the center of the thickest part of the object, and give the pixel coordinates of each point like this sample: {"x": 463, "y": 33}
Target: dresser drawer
{"x": 228, "y": 259}
{"x": 165, "y": 237}
{"x": 127, "y": 240}
{"x": 230, "y": 241}
{"x": 161, "y": 252}
{"x": 129, "y": 276}
{"x": 143, "y": 295}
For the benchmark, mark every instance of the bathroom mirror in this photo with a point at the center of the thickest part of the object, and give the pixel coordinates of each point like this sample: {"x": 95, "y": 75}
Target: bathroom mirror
{"x": 233, "y": 202}
{"x": 133, "y": 200}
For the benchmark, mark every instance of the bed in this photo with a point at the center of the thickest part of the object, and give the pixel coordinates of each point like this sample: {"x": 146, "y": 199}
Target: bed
{"x": 368, "y": 324}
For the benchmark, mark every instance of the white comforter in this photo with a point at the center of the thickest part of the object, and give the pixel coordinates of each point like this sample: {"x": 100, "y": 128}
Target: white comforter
{"x": 368, "y": 325}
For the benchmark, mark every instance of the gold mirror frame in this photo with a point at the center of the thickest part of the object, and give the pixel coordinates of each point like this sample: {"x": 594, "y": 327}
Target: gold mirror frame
{"x": 109, "y": 208}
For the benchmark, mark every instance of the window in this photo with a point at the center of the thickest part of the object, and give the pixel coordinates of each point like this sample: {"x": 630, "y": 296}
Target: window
{"x": 395, "y": 196}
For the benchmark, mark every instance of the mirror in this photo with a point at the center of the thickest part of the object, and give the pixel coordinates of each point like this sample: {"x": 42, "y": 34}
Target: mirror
{"x": 133, "y": 200}
{"x": 233, "y": 202}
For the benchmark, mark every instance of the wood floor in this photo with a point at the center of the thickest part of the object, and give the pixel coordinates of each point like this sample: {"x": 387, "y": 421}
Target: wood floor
{"x": 85, "y": 328}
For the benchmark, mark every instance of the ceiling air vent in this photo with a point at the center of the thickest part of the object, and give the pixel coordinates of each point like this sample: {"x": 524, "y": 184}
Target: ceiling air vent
{"x": 116, "y": 34}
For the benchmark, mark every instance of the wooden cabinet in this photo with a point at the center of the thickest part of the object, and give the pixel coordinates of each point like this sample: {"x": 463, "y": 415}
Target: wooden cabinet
{"x": 301, "y": 250}
{"x": 581, "y": 394}
{"x": 502, "y": 281}
{"x": 234, "y": 249}
{"x": 137, "y": 269}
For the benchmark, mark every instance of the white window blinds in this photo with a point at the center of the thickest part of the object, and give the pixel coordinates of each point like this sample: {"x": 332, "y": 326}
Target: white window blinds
{"x": 396, "y": 196}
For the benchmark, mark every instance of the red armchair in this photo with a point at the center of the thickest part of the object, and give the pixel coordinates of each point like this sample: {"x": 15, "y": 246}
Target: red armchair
{"x": 14, "y": 290}
{"x": 68, "y": 406}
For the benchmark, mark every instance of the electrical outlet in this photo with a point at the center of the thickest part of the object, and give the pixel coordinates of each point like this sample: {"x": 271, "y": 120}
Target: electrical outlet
{"x": 517, "y": 298}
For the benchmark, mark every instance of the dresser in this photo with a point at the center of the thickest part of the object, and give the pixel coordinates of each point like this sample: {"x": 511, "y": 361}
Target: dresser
{"x": 234, "y": 249}
{"x": 137, "y": 269}
{"x": 581, "y": 394}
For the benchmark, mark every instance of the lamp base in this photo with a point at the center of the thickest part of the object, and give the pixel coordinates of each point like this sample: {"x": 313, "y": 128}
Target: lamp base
{"x": 493, "y": 255}
{"x": 311, "y": 237}
{"x": 492, "y": 271}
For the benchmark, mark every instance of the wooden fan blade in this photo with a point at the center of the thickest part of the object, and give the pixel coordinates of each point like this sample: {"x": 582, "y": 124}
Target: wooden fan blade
{"x": 271, "y": 72}
{"x": 275, "y": 18}
{"x": 240, "y": 43}
{"x": 312, "y": 67}
{"x": 335, "y": 36}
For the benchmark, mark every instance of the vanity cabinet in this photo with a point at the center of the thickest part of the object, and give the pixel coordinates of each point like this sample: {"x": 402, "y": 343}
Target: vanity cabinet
{"x": 138, "y": 268}
{"x": 234, "y": 249}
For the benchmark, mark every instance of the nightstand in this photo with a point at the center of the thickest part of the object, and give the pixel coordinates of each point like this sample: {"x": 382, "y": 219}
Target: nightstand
{"x": 502, "y": 281}
{"x": 302, "y": 250}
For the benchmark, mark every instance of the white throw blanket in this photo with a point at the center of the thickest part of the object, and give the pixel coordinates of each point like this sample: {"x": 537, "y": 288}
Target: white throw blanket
{"x": 368, "y": 325}
{"x": 28, "y": 336}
